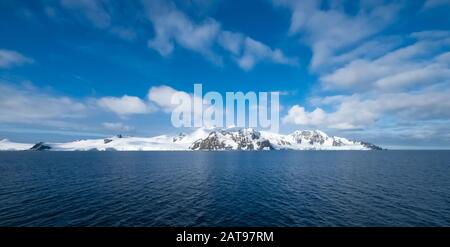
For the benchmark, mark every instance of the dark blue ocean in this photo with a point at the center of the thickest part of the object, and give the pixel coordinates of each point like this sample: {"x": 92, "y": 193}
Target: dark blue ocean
{"x": 277, "y": 188}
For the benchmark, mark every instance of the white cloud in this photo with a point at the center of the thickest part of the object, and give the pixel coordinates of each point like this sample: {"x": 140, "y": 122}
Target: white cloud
{"x": 422, "y": 63}
{"x": 364, "y": 110}
{"x": 162, "y": 96}
{"x": 376, "y": 80}
{"x": 27, "y": 104}
{"x": 231, "y": 42}
{"x": 426, "y": 75}
{"x": 117, "y": 126}
{"x": 10, "y": 58}
{"x": 431, "y": 35}
{"x": 330, "y": 30}
{"x": 125, "y": 105}
{"x": 435, "y": 3}
{"x": 93, "y": 10}
{"x": 255, "y": 51}
{"x": 99, "y": 13}
{"x": 371, "y": 49}
{"x": 172, "y": 27}
{"x": 124, "y": 33}
{"x": 298, "y": 115}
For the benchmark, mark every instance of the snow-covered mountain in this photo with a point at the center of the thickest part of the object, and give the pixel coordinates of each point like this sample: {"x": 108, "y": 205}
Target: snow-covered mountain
{"x": 6, "y": 145}
{"x": 250, "y": 139}
{"x": 205, "y": 139}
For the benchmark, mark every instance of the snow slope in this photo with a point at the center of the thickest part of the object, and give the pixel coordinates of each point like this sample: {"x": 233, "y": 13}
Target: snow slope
{"x": 208, "y": 139}
{"x": 6, "y": 145}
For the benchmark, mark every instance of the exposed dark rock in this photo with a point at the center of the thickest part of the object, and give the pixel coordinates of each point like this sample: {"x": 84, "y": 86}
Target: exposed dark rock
{"x": 284, "y": 142}
{"x": 210, "y": 143}
{"x": 371, "y": 146}
{"x": 107, "y": 140}
{"x": 265, "y": 144}
{"x": 179, "y": 137}
{"x": 337, "y": 143}
{"x": 40, "y": 146}
{"x": 312, "y": 137}
{"x": 245, "y": 139}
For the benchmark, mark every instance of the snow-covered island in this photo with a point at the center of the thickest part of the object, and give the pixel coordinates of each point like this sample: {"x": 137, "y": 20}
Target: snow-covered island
{"x": 204, "y": 139}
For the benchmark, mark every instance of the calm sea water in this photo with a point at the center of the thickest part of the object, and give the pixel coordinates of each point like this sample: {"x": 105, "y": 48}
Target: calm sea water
{"x": 278, "y": 188}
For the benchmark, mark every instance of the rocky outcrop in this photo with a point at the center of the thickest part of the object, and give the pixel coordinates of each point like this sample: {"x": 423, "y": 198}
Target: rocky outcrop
{"x": 371, "y": 146}
{"x": 206, "y": 139}
{"x": 40, "y": 146}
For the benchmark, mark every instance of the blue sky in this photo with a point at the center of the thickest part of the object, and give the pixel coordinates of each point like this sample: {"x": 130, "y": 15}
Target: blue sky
{"x": 372, "y": 70}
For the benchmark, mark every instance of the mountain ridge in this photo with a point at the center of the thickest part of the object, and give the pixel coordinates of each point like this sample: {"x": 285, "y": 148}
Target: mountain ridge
{"x": 205, "y": 139}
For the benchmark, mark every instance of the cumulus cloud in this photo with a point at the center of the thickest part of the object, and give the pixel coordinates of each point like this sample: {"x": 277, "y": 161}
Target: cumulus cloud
{"x": 28, "y": 104}
{"x": 37, "y": 107}
{"x": 162, "y": 96}
{"x": 359, "y": 111}
{"x": 159, "y": 98}
{"x": 298, "y": 115}
{"x": 396, "y": 83}
{"x": 423, "y": 62}
{"x": 407, "y": 84}
{"x": 125, "y": 105}
{"x": 10, "y": 59}
{"x": 424, "y": 105}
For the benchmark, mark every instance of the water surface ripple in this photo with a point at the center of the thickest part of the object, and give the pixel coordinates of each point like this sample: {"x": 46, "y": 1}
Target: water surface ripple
{"x": 279, "y": 188}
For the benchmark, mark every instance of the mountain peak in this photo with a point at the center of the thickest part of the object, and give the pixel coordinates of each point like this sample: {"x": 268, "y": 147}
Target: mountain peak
{"x": 207, "y": 139}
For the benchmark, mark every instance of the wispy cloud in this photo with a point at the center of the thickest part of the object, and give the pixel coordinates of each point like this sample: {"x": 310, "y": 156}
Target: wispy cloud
{"x": 172, "y": 27}
{"x": 30, "y": 107}
{"x": 407, "y": 84}
{"x": 93, "y": 10}
{"x": 10, "y": 59}
{"x": 117, "y": 126}
{"x": 255, "y": 51}
{"x": 369, "y": 81}
{"x": 435, "y": 3}
{"x": 28, "y": 104}
{"x": 421, "y": 63}
{"x": 100, "y": 14}
{"x": 331, "y": 30}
